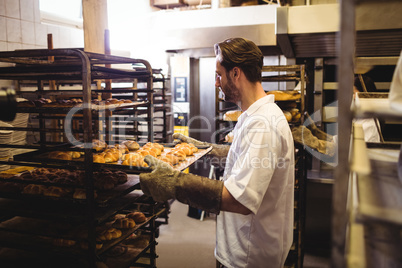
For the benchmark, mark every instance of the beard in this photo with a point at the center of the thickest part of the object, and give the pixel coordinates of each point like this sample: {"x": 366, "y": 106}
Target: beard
{"x": 230, "y": 92}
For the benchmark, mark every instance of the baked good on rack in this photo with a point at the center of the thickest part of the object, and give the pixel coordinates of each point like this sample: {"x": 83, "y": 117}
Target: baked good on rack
{"x": 231, "y": 115}
{"x": 168, "y": 159}
{"x": 185, "y": 147}
{"x": 82, "y": 194}
{"x": 10, "y": 187}
{"x": 145, "y": 151}
{"x": 61, "y": 242}
{"x": 180, "y": 154}
{"x": 34, "y": 189}
{"x": 60, "y": 155}
{"x": 137, "y": 216}
{"x": 281, "y": 95}
{"x": 110, "y": 234}
{"x": 288, "y": 115}
{"x": 121, "y": 177}
{"x": 99, "y": 145}
{"x": 134, "y": 160}
{"x": 131, "y": 145}
{"x": 124, "y": 223}
{"x": 98, "y": 158}
{"x": 55, "y": 191}
{"x": 75, "y": 154}
{"x": 127, "y": 101}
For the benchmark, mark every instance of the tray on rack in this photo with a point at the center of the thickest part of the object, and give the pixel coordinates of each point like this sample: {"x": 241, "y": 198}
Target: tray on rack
{"x": 102, "y": 196}
{"x": 66, "y": 108}
{"x": 42, "y": 157}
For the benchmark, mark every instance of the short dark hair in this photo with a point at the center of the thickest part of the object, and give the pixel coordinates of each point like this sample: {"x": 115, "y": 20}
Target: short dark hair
{"x": 368, "y": 83}
{"x": 242, "y": 53}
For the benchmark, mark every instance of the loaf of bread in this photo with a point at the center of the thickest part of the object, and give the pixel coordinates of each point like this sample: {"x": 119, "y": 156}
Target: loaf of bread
{"x": 232, "y": 115}
{"x": 124, "y": 223}
{"x": 185, "y": 147}
{"x": 137, "y": 216}
{"x": 281, "y": 95}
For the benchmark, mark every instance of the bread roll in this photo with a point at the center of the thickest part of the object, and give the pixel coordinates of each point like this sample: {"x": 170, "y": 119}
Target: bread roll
{"x": 131, "y": 145}
{"x": 55, "y": 191}
{"x": 35, "y": 189}
{"x": 288, "y": 115}
{"x": 60, "y": 155}
{"x": 124, "y": 223}
{"x": 137, "y": 216}
{"x": 232, "y": 115}
{"x": 98, "y": 158}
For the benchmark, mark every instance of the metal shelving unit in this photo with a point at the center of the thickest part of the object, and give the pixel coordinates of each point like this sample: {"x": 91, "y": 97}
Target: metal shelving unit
{"x": 75, "y": 66}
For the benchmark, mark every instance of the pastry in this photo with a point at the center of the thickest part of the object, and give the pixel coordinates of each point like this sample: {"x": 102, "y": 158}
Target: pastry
{"x": 55, "y": 191}
{"x": 131, "y": 145}
{"x": 185, "y": 148}
{"x": 110, "y": 234}
{"x": 137, "y": 216}
{"x": 288, "y": 115}
{"x": 60, "y": 155}
{"x": 121, "y": 177}
{"x": 84, "y": 245}
{"x": 99, "y": 145}
{"x": 98, "y": 158}
{"x": 124, "y": 223}
{"x": 232, "y": 115}
{"x": 35, "y": 189}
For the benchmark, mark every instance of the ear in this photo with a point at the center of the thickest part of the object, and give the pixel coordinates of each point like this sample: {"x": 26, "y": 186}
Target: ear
{"x": 236, "y": 72}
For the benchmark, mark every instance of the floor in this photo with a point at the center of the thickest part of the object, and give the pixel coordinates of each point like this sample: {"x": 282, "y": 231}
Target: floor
{"x": 189, "y": 242}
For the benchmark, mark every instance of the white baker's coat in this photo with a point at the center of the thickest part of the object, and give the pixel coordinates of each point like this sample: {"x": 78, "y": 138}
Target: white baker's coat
{"x": 259, "y": 174}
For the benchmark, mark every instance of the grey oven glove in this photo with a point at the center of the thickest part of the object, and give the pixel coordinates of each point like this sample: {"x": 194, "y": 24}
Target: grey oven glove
{"x": 165, "y": 183}
{"x": 219, "y": 150}
{"x": 304, "y": 136}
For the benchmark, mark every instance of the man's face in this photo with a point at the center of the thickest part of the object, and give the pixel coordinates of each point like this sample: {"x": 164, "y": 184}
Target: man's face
{"x": 225, "y": 83}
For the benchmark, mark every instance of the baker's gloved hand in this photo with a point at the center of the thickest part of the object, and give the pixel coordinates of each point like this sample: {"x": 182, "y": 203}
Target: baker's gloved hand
{"x": 165, "y": 183}
{"x": 304, "y": 136}
{"x": 309, "y": 122}
{"x": 219, "y": 150}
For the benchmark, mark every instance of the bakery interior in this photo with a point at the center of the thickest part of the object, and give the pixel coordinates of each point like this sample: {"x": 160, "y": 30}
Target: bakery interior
{"x": 80, "y": 92}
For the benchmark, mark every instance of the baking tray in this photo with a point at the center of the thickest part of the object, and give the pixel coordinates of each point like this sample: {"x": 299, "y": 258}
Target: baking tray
{"x": 42, "y": 157}
{"x": 103, "y": 196}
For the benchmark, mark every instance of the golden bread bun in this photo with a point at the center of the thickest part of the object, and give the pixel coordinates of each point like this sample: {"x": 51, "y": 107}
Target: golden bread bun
{"x": 34, "y": 189}
{"x": 98, "y": 158}
{"x": 131, "y": 145}
{"x": 60, "y": 155}
{"x": 232, "y": 115}
{"x": 55, "y": 191}
{"x": 124, "y": 223}
{"x": 137, "y": 216}
{"x": 288, "y": 115}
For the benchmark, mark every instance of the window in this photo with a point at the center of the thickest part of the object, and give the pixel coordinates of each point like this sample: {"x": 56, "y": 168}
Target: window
{"x": 61, "y": 12}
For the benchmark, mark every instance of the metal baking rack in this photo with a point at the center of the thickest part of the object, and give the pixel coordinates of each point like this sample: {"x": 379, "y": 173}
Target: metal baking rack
{"x": 85, "y": 69}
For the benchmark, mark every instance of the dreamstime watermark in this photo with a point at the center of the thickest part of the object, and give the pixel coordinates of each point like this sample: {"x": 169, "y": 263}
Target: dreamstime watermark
{"x": 260, "y": 132}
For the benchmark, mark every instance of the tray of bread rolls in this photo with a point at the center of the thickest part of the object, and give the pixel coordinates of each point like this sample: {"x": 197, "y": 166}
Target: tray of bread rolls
{"x": 67, "y": 236}
{"x": 51, "y": 184}
{"x": 49, "y": 106}
{"x": 127, "y": 156}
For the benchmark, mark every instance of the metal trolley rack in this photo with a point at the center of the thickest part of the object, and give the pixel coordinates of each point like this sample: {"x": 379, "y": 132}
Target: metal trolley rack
{"x": 74, "y": 66}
